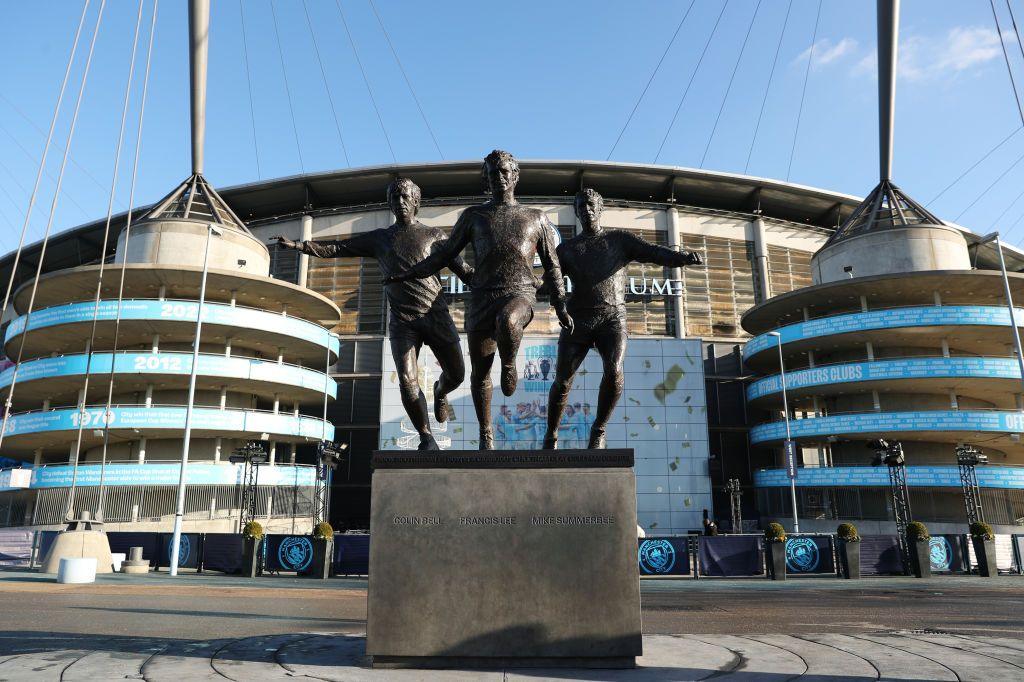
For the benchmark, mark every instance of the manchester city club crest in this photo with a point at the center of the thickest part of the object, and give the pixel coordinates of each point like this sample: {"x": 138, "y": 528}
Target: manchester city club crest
{"x": 940, "y": 553}
{"x": 184, "y": 550}
{"x": 657, "y": 556}
{"x": 295, "y": 553}
{"x": 802, "y": 555}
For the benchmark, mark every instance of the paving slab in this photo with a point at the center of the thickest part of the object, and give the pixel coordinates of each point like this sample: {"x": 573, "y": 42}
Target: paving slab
{"x": 40, "y": 665}
{"x": 891, "y": 664}
{"x": 666, "y": 657}
{"x": 758, "y": 660}
{"x": 184, "y": 661}
{"x": 824, "y": 663}
{"x": 343, "y": 659}
{"x": 107, "y": 665}
{"x": 984, "y": 646}
{"x": 254, "y": 658}
{"x": 966, "y": 664}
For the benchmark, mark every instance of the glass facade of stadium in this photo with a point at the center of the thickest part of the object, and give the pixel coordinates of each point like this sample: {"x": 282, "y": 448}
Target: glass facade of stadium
{"x": 688, "y": 411}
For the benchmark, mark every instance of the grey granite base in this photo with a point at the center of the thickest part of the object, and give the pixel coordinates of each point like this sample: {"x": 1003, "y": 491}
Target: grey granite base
{"x": 503, "y": 559}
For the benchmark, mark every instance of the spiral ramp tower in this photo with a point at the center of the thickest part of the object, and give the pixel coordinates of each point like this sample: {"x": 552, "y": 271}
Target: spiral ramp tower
{"x": 904, "y": 335}
{"x": 260, "y": 375}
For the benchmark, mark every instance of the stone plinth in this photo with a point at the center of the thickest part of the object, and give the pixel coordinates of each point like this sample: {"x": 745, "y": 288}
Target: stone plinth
{"x": 503, "y": 558}
{"x": 78, "y": 544}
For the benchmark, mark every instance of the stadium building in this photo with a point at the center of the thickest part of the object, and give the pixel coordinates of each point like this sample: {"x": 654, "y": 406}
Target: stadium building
{"x": 694, "y": 411}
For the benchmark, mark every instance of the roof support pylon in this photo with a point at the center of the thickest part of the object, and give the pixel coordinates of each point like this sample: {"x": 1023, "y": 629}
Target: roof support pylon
{"x": 888, "y": 52}
{"x": 198, "y": 37}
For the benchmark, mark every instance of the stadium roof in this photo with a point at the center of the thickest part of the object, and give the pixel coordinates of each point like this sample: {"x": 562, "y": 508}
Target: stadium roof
{"x": 461, "y": 181}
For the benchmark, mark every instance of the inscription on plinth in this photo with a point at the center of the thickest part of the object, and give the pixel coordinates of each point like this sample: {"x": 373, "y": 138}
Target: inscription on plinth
{"x": 487, "y": 562}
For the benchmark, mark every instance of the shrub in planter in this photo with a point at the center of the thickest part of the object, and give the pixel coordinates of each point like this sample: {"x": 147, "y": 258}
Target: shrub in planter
{"x": 984, "y": 541}
{"x": 920, "y": 549}
{"x": 849, "y": 550}
{"x": 323, "y": 552}
{"x": 775, "y": 550}
{"x": 253, "y": 537}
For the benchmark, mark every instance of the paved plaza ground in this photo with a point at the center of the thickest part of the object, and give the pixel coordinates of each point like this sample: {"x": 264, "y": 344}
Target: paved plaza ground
{"x": 212, "y": 627}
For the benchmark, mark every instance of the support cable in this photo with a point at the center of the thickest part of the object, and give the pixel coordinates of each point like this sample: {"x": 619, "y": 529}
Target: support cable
{"x": 1013, "y": 21}
{"x": 49, "y": 176}
{"x": 1006, "y": 210}
{"x": 127, "y": 236}
{"x": 327, "y": 88}
{"x": 248, "y": 80}
{"x": 366, "y": 81}
{"x": 287, "y": 88}
{"x": 693, "y": 75}
{"x": 728, "y": 88}
{"x": 18, "y": 110}
{"x": 90, "y": 345}
{"x": 991, "y": 185}
{"x": 39, "y": 175}
{"x": 1006, "y": 58}
{"x": 49, "y": 223}
{"x": 650, "y": 80}
{"x": 973, "y": 166}
{"x": 803, "y": 92}
{"x": 768, "y": 87}
{"x": 401, "y": 68}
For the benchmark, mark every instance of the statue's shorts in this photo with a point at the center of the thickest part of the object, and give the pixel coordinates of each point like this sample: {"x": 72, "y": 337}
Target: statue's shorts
{"x": 591, "y": 330}
{"x": 435, "y": 329}
{"x": 484, "y": 307}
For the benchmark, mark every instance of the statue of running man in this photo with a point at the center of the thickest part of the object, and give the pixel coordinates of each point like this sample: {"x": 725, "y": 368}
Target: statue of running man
{"x": 595, "y": 262}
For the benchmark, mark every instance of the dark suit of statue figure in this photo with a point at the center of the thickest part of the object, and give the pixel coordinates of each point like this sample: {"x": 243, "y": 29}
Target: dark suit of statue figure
{"x": 505, "y": 236}
{"x": 419, "y": 314}
{"x": 596, "y": 263}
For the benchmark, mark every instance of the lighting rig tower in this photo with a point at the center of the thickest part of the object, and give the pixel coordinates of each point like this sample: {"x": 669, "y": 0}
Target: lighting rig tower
{"x": 328, "y": 456}
{"x": 967, "y": 458}
{"x": 735, "y": 504}
{"x": 252, "y": 456}
{"x": 891, "y": 455}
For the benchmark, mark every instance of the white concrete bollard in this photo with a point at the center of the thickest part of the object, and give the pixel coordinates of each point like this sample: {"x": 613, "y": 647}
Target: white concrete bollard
{"x": 115, "y": 559}
{"x": 76, "y": 571}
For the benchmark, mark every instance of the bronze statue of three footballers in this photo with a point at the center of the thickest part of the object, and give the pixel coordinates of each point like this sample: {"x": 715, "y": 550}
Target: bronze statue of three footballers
{"x": 505, "y": 237}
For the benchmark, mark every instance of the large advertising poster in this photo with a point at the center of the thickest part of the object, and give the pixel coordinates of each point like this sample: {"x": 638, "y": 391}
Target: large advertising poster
{"x": 662, "y": 416}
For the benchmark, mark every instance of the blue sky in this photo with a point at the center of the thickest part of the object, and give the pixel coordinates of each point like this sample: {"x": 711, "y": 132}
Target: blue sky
{"x": 541, "y": 79}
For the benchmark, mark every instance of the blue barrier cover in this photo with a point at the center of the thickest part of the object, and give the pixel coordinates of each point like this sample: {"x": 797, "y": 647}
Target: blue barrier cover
{"x": 351, "y": 554}
{"x": 289, "y": 553}
{"x": 809, "y": 554}
{"x": 731, "y": 555}
{"x": 222, "y": 552}
{"x": 149, "y": 542}
{"x": 188, "y": 550}
{"x": 15, "y": 547}
{"x": 664, "y": 556}
{"x": 880, "y": 555}
{"x": 947, "y": 554}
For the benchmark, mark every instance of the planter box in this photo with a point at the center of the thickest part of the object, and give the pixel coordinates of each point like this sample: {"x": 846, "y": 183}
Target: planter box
{"x": 322, "y": 564}
{"x": 920, "y": 558}
{"x": 985, "y": 553}
{"x": 251, "y": 557}
{"x": 775, "y": 554}
{"x": 849, "y": 559}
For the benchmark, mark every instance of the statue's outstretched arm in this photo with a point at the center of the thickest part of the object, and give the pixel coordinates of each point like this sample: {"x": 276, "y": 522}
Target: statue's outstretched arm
{"x": 364, "y": 245}
{"x": 643, "y": 251}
